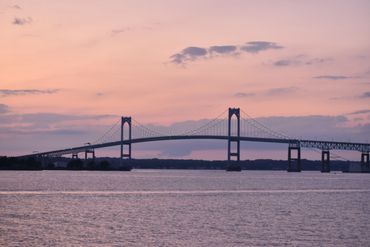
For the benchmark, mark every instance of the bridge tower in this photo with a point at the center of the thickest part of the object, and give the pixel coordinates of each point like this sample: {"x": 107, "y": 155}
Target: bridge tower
{"x": 233, "y": 140}
{"x": 127, "y": 155}
{"x": 294, "y": 163}
{"x": 325, "y": 160}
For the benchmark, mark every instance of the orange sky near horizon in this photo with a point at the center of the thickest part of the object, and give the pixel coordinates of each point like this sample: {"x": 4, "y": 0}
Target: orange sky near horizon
{"x": 114, "y": 57}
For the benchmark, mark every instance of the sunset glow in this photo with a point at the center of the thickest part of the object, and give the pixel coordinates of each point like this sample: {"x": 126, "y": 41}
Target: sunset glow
{"x": 70, "y": 69}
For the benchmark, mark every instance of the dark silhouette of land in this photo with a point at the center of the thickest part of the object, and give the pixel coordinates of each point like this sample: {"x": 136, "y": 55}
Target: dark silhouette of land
{"x": 105, "y": 164}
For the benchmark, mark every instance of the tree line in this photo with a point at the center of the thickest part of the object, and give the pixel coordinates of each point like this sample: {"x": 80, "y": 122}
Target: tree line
{"x": 105, "y": 164}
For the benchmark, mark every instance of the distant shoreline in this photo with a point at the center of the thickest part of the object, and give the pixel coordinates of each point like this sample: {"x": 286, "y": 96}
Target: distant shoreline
{"x": 112, "y": 164}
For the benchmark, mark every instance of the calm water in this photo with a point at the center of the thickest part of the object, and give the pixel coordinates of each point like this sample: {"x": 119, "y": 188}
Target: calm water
{"x": 184, "y": 208}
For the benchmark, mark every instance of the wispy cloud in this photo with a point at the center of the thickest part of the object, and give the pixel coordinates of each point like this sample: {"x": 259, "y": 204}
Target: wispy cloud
{"x": 365, "y": 95}
{"x": 193, "y": 53}
{"x": 22, "y": 21}
{"x": 284, "y": 91}
{"x": 258, "y": 46}
{"x": 285, "y": 62}
{"x": 243, "y": 95}
{"x": 332, "y": 77}
{"x": 47, "y": 120}
{"x": 359, "y": 112}
{"x": 120, "y": 30}
{"x": 281, "y": 91}
{"x": 300, "y": 60}
{"x": 16, "y": 6}
{"x": 11, "y": 92}
{"x": 67, "y": 132}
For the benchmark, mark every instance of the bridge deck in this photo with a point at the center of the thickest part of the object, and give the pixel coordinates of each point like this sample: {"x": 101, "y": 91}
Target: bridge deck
{"x": 324, "y": 145}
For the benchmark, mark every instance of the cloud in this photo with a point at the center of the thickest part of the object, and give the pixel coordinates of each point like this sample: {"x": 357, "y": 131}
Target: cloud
{"x": 312, "y": 127}
{"x": 332, "y": 77}
{"x": 120, "y": 30}
{"x": 124, "y": 29}
{"x": 11, "y": 92}
{"x": 46, "y": 131}
{"x": 359, "y": 112}
{"x": 257, "y": 46}
{"x": 270, "y": 92}
{"x": 45, "y": 119}
{"x": 178, "y": 58}
{"x": 22, "y": 21}
{"x": 49, "y": 123}
{"x": 281, "y": 90}
{"x": 4, "y": 108}
{"x": 15, "y": 6}
{"x": 223, "y": 49}
{"x": 190, "y": 53}
{"x": 193, "y": 53}
{"x": 285, "y": 62}
{"x": 300, "y": 60}
{"x": 365, "y": 95}
{"x": 317, "y": 60}
{"x": 243, "y": 95}
{"x": 43, "y": 132}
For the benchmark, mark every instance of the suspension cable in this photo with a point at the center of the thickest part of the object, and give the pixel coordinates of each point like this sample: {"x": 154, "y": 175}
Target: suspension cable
{"x": 99, "y": 140}
{"x": 190, "y": 132}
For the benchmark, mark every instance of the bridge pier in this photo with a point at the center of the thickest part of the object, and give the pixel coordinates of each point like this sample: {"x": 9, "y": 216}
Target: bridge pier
{"x": 365, "y": 158}
{"x": 42, "y": 160}
{"x": 125, "y": 155}
{"x": 233, "y": 140}
{"x": 325, "y": 161}
{"x": 294, "y": 163}
{"x": 90, "y": 151}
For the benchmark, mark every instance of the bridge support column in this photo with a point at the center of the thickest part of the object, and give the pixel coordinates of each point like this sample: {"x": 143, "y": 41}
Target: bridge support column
{"x": 325, "y": 161}
{"x": 75, "y": 156}
{"x": 232, "y": 150}
{"x": 125, "y": 155}
{"x": 365, "y": 158}
{"x": 42, "y": 159}
{"x": 294, "y": 163}
{"x": 90, "y": 151}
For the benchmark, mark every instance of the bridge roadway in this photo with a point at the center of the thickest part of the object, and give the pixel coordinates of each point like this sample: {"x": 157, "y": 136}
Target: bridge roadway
{"x": 322, "y": 145}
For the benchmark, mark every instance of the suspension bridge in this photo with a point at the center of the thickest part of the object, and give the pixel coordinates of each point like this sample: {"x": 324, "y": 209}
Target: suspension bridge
{"x": 233, "y": 125}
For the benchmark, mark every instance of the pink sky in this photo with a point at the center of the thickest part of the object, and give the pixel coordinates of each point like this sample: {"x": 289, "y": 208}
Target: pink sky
{"x": 116, "y": 58}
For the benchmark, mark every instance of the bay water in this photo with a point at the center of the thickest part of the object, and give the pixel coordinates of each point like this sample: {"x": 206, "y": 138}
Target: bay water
{"x": 184, "y": 208}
